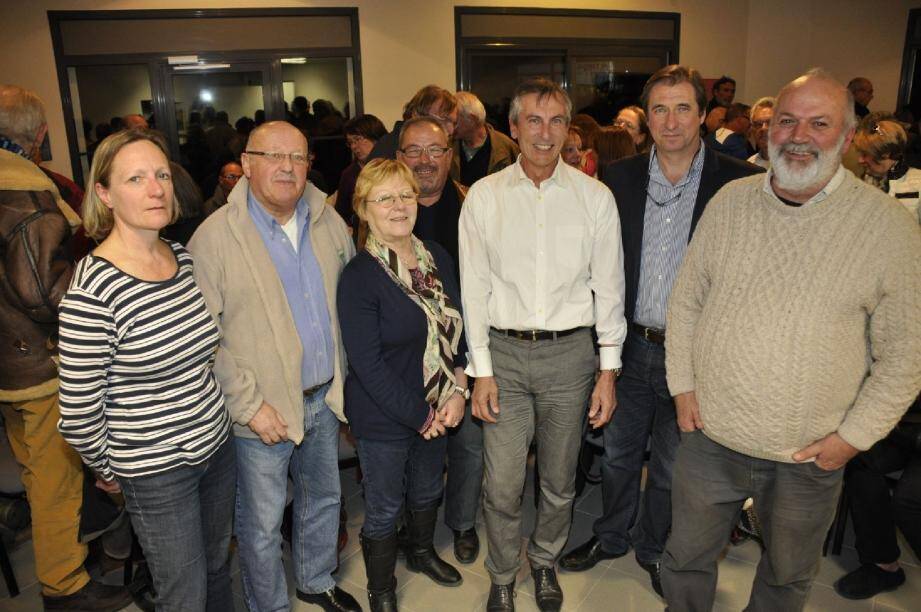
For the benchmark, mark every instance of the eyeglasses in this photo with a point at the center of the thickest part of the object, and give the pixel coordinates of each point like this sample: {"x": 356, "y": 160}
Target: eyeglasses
{"x": 624, "y": 124}
{"x": 433, "y": 151}
{"x": 276, "y": 158}
{"x": 388, "y": 200}
{"x": 231, "y": 177}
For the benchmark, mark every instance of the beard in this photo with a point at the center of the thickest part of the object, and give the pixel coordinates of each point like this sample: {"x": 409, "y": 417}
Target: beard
{"x": 430, "y": 182}
{"x": 798, "y": 177}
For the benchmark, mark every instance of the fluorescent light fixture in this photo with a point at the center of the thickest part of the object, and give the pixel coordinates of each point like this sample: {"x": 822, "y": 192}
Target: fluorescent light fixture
{"x": 206, "y": 96}
{"x": 294, "y": 60}
{"x": 201, "y": 66}
{"x": 500, "y": 44}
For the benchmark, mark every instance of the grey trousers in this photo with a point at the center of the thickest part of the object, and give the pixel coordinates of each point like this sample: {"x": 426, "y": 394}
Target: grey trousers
{"x": 544, "y": 388}
{"x": 795, "y": 504}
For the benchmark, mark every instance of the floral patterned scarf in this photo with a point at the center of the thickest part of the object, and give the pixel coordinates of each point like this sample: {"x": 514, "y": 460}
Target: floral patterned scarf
{"x": 445, "y": 324}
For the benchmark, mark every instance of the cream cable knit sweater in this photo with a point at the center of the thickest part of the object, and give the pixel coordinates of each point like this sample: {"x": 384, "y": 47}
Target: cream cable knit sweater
{"x": 791, "y": 323}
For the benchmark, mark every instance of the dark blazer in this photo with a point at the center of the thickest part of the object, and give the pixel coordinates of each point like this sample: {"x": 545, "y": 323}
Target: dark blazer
{"x": 384, "y": 333}
{"x": 627, "y": 179}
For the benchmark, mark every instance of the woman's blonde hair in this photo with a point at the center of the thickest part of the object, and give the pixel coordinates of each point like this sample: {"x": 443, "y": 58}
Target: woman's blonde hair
{"x": 373, "y": 174}
{"x": 97, "y": 217}
{"x": 884, "y": 140}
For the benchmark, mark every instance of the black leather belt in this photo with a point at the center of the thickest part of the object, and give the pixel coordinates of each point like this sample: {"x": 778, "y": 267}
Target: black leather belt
{"x": 535, "y": 334}
{"x": 314, "y": 389}
{"x": 656, "y": 336}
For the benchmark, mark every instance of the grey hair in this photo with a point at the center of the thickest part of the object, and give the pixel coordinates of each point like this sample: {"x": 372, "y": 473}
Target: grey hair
{"x": 544, "y": 88}
{"x": 850, "y": 117}
{"x": 22, "y": 114}
{"x": 469, "y": 105}
{"x": 765, "y": 102}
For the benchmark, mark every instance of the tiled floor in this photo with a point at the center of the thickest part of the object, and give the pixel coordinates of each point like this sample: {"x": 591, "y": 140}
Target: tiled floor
{"x": 617, "y": 585}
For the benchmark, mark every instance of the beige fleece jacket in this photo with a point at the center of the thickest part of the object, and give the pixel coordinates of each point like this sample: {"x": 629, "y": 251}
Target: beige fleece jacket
{"x": 791, "y": 323}
{"x": 259, "y": 358}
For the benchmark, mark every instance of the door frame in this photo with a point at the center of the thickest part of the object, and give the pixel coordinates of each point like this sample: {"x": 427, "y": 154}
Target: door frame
{"x": 159, "y": 82}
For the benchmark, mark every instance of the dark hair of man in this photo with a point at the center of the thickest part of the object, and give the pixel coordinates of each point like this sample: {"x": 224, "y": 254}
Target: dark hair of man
{"x": 674, "y": 75}
{"x": 426, "y": 98}
{"x": 544, "y": 88}
{"x": 422, "y": 120}
{"x": 737, "y": 110}
{"x": 722, "y": 81}
{"x": 367, "y": 126}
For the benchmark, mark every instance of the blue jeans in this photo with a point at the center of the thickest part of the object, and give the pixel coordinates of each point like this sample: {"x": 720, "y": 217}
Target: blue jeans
{"x": 464, "y": 485}
{"x": 183, "y": 519}
{"x": 645, "y": 411}
{"x": 394, "y": 470}
{"x": 262, "y": 481}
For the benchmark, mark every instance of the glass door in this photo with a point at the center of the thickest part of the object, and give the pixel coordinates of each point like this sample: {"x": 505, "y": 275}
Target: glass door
{"x": 210, "y": 109}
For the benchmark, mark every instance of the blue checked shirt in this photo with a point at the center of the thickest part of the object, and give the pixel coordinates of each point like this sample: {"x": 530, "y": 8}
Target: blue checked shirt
{"x": 666, "y": 227}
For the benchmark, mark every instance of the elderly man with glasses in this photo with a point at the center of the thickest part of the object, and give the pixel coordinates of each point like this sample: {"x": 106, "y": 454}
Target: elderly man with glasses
{"x": 226, "y": 181}
{"x": 268, "y": 263}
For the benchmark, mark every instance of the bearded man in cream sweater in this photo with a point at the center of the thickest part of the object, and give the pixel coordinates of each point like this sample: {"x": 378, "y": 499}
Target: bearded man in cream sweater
{"x": 794, "y": 342}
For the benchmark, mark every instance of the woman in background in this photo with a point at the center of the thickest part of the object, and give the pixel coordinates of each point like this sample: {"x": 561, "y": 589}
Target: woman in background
{"x": 881, "y": 150}
{"x": 611, "y": 144}
{"x": 633, "y": 119}
{"x": 361, "y": 133}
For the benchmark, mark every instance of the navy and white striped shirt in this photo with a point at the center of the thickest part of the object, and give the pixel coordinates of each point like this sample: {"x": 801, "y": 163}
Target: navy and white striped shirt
{"x": 666, "y": 227}
{"x": 137, "y": 392}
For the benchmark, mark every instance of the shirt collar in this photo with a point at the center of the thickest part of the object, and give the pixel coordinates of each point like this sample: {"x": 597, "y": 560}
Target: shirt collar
{"x": 694, "y": 170}
{"x": 262, "y": 217}
{"x": 558, "y": 176}
{"x": 826, "y": 191}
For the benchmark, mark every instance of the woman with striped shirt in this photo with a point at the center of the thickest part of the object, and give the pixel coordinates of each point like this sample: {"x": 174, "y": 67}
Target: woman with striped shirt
{"x": 138, "y": 399}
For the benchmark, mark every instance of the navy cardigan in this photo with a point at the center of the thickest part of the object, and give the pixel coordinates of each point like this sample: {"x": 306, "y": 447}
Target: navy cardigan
{"x": 384, "y": 333}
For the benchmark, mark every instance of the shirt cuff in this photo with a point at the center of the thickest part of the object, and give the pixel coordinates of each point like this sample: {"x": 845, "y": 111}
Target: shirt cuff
{"x": 479, "y": 363}
{"x": 609, "y": 357}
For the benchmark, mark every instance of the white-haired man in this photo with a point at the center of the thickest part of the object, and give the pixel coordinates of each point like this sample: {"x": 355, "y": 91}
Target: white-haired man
{"x": 479, "y": 149}
{"x": 34, "y": 222}
{"x": 794, "y": 341}
{"x": 760, "y": 116}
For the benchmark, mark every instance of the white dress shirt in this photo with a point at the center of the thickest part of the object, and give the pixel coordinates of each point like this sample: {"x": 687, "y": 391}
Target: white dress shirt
{"x": 547, "y": 258}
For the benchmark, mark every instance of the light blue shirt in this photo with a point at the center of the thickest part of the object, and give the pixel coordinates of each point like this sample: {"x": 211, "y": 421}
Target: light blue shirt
{"x": 302, "y": 280}
{"x": 666, "y": 227}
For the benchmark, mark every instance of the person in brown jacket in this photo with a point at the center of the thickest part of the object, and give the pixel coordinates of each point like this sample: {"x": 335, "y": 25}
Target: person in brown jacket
{"x": 34, "y": 225}
{"x": 479, "y": 150}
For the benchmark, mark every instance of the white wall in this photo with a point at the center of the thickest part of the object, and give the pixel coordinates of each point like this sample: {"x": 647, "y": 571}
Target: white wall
{"x": 406, "y": 44}
{"x": 848, "y": 37}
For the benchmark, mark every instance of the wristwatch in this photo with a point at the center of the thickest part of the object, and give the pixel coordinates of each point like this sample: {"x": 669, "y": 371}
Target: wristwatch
{"x": 615, "y": 371}
{"x": 464, "y": 393}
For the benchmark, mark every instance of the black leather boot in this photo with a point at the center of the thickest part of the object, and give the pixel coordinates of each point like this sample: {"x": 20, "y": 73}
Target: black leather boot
{"x": 380, "y": 560}
{"x": 421, "y": 556}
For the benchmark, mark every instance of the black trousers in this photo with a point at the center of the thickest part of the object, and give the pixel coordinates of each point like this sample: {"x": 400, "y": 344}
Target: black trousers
{"x": 876, "y": 512}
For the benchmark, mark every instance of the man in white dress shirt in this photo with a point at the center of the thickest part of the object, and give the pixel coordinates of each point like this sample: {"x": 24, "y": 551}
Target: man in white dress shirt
{"x": 541, "y": 264}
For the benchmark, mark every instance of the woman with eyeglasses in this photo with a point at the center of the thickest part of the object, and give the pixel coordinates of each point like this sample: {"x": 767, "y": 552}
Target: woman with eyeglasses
{"x": 361, "y": 134}
{"x": 633, "y": 119}
{"x": 881, "y": 149}
{"x": 402, "y": 329}
{"x": 139, "y": 401}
